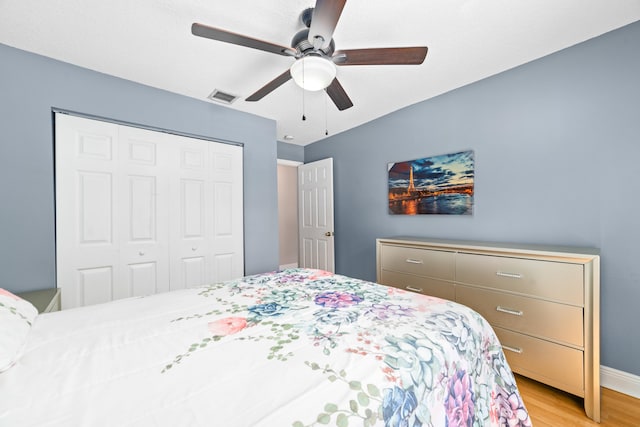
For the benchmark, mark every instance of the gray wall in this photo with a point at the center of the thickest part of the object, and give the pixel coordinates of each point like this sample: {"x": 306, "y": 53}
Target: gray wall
{"x": 288, "y": 151}
{"x": 30, "y": 85}
{"x": 557, "y": 145}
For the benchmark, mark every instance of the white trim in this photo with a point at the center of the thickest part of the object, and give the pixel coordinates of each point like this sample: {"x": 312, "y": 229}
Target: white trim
{"x": 284, "y": 162}
{"x": 141, "y": 126}
{"x": 285, "y": 266}
{"x": 620, "y": 381}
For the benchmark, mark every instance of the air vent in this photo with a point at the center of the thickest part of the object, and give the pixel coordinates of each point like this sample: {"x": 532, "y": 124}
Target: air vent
{"x": 225, "y": 98}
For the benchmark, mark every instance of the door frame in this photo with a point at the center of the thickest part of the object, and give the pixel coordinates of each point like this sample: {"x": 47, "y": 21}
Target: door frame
{"x": 295, "y": 232}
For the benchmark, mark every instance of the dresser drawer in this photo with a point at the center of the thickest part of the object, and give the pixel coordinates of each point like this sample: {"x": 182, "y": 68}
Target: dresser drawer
{"x": 559, "y": 366}
{"x": 423, "y": 262}
{"x": 550, "y": 320}
{"x": 556, "y": 281}
{"x": 424, "y": 285}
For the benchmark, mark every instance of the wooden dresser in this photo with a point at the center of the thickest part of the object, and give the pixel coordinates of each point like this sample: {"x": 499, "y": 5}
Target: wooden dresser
{"x": 542, "y": 301}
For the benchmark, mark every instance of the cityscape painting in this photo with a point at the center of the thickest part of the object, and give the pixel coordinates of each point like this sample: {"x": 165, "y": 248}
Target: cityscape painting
{"x": 440, "y": 185}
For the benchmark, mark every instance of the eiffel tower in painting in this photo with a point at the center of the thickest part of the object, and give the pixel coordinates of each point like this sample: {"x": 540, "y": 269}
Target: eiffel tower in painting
{"x": 411, "y": 187}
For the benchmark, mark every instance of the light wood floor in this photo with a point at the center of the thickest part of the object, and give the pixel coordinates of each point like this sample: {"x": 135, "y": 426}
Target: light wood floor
{"x": 549, "y": 407}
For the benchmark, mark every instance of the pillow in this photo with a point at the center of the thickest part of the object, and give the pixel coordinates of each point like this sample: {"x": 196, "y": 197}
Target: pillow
{"x": 16, "y": 318}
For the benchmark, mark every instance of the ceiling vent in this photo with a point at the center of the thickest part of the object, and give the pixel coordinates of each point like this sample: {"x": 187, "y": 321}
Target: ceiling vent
{"x": 225, "y": 98}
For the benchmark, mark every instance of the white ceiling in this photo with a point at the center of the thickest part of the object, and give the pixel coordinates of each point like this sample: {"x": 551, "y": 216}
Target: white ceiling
{"x": 150, "y": 42}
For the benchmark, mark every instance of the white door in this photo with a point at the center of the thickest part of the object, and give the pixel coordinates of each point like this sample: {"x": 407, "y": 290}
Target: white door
{"x": 227, "y": 251}
{"x": 140, "y": 212}
{"x": 189, "y": 229}
{"x": 207, "y": 234}
{"x": 315, "y": 208}
{"x": 142, "y": 216}
{"x": 87, "y": 246}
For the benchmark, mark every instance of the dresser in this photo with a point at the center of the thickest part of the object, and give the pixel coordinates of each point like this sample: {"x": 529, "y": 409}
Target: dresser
{"x": 542, "y": 301}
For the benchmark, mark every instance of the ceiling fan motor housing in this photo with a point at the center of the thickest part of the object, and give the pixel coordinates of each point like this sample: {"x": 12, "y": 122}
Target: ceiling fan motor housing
{"x": 301, "y": 43}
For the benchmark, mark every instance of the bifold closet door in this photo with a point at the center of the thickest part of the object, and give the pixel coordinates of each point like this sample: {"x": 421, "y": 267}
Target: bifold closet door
{"x": 136, "y": 211}
{"x": 206, "y": 231}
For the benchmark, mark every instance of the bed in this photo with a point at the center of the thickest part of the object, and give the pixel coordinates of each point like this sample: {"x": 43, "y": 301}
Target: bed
{"x": 296, "y": 347}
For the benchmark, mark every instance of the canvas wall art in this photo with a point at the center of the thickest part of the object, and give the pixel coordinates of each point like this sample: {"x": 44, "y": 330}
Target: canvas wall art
{"x": 432, "y": 185}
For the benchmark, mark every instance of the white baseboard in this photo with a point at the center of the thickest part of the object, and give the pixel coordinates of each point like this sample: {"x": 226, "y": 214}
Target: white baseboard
{"x": 285, "y": 266}
{"x": 620, "y": 381}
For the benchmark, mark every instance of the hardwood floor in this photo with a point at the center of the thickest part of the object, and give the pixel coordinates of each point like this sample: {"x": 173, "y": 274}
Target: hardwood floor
{"x": 549, "y": 407}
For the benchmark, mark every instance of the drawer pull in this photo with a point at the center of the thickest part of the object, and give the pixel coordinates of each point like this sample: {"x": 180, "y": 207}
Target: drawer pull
{"x": 410, "y": 288}
{"x": 514, "y": 349}
{"x": 414, "y": 261}
{"x": 509, "y": 311}
{"x": 510, "y": 275}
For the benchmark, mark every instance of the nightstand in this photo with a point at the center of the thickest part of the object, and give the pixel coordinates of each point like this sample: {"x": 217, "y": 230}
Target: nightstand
{"x": 45, "y": 300}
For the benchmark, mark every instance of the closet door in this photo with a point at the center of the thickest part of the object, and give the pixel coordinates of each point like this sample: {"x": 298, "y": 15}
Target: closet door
{"x": 227, "y": 252}
{"x": 207, "y": 223}
{"x": 140, "y": 212}
{"x": 143, "y": 215}
{"x": 87, "y": 242}
{"x": 189, "y": 243}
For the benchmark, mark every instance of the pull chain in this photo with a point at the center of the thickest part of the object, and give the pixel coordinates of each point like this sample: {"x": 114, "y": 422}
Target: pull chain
{"x": 303, "y": 91}
{"x": 326, "y": 120}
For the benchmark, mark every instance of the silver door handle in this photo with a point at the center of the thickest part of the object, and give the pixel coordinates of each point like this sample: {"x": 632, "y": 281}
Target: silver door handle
{"x": 140, "y": 253}
{"x": 410, "y": 288}
{"x": 414, "y": 261}
{"x": 329, "y": 233}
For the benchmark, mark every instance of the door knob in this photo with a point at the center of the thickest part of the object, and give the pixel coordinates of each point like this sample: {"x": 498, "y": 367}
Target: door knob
{"x": 141, "y": 253}
{"x": 329, "y": 233}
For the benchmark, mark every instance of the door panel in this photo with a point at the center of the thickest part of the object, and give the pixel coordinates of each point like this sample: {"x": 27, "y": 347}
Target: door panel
{"x": 224, "y": 266}
{"x": 193, "y": 272}
{"x": 142, "y": 279}
{"x": 94, "y": 285}
{"x": 315, "y": 201}
{"x": 192, "y": 209}
{"x": 143, "y": 218}
{"x": 306, "y": 255}
{"x": 142, "y": 209}
{"x": 223, "y": 204}
{"x": 141, "y": 152}
{"x": 188, "y": 230}
{"x": 95, "y": 146}
{"x": 95, "y": 211}
{"x": 227, "y": 233}
{"x": 86, "y": 244}
{"x": 306, "y": 201}
{"x": 322, "y": 254}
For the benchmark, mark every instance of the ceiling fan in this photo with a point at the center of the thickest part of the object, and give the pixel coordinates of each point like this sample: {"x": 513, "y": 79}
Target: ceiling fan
{"x": 314, "y": 51}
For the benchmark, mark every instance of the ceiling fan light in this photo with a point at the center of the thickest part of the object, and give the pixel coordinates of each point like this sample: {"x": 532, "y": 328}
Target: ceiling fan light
{"x": 313, "y": 72}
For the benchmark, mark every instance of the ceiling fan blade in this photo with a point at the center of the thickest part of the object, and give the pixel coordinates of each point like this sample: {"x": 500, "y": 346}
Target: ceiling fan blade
{"x": 324, "y": 20}
{"x": 381, "y": 56}
{"x": 338, "y": 95}
{"x": 238, "y": 39}
{"x": 270, "y": 87}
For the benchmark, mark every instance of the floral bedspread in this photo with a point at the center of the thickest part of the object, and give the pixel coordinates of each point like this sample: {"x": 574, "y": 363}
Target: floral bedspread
{"x": 295, "y": 348}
